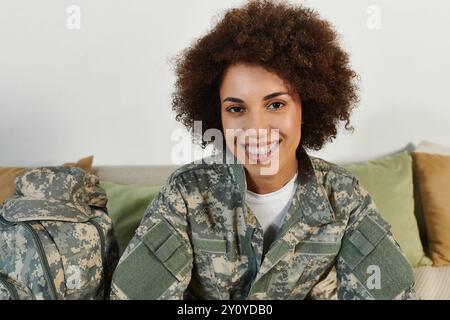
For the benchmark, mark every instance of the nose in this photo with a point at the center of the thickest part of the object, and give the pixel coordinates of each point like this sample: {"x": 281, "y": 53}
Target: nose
{"x": 257, "y": 127}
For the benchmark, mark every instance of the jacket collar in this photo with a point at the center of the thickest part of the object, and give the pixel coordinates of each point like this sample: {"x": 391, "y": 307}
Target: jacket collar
{"x": 310, "y": 195}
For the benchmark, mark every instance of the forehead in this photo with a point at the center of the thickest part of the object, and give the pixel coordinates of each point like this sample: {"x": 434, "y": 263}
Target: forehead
{"x": 245, "y": 79}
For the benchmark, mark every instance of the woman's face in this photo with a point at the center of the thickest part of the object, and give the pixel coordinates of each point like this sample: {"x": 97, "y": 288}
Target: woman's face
{"x": 254, "y": 98}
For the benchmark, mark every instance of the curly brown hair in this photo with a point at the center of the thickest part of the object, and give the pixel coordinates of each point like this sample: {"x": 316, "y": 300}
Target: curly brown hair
{"x": 289, "y": 40}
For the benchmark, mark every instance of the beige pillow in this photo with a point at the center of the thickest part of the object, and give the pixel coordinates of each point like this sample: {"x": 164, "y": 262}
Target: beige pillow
{"x": 432, "y": 173}
{"x": 9, "y": 174}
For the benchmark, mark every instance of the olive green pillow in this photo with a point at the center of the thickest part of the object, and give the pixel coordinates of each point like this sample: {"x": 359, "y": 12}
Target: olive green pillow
{"x": 126, "y": 207}
{"x": 389, "y": 181}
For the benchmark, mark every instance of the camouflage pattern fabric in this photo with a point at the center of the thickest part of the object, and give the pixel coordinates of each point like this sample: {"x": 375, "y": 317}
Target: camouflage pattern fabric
{"x": 199, "y": 240}
{"x": 56, "y": 239}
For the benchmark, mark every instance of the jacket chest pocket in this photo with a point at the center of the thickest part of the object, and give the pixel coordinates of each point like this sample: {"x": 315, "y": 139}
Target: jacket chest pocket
{"x": 211, "y": 266}
{"x": 296, "y": 270}
{"x": 316, "y": 259}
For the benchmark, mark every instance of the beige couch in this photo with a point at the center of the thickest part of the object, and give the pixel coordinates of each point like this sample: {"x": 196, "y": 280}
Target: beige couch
{"x": 150, "y": 175}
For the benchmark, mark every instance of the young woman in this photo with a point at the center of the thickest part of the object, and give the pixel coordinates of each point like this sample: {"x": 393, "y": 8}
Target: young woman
{"x": 233, "y": 231}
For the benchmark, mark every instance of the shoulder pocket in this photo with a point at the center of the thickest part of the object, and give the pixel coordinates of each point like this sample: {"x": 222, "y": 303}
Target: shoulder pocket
{"x": 155, "y": 262}
{"x": 362, "y": 241}
{"x": 376, "y": 260}
{"x": 167, "y": 247}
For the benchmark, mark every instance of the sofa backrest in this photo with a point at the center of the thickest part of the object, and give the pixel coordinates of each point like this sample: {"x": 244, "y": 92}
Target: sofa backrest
{"x": 145, "y": 175}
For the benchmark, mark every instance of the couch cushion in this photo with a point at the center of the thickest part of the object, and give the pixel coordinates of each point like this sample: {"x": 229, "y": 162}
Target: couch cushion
{"x": 389, "y": 180}
{"x": 126, "y": 207}
{"x": 432, "y": 172}
{"x": 432, "y": 148}
{"x": 432, "y": 283}
{"x": 144, "y": 175}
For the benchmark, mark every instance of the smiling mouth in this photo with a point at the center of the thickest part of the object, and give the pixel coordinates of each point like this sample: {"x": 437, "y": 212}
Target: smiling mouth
{"x": 261, "y": 153}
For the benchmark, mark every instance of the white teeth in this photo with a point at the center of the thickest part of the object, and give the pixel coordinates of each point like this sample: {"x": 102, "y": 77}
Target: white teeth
{"x": 261, "y": 150}
{"x": 256, "y": 150}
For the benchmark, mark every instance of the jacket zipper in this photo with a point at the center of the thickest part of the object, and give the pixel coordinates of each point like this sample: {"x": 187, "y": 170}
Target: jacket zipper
{"x": 103, "y": 251}
{"x": 239, "y": 175}
{"x": 10, "y": 287}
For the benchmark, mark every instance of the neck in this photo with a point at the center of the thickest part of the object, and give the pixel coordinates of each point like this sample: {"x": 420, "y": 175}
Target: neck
{"x": 263, "y": 184}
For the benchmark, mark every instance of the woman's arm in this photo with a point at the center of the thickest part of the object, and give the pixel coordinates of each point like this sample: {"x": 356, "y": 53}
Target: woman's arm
{"x": 157, "y": 262}
{"x": 370, "y": 264}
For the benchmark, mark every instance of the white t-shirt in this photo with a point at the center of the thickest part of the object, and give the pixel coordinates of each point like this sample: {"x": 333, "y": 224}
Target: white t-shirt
{"x": 271, "y": 208}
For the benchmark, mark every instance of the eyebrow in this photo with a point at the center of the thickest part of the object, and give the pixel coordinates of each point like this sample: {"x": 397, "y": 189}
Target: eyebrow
{"x": 268, "y": 97}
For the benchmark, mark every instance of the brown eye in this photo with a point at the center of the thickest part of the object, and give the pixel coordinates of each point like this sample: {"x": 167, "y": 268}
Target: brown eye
{"x": 278, "y": 105}
{"x": 235, "y": 109}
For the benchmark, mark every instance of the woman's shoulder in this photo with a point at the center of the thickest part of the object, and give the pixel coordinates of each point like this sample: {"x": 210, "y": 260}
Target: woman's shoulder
{"x": 332, "y": 173}
{"x": 200, "y": 169}
{"x": 340, "y": 185}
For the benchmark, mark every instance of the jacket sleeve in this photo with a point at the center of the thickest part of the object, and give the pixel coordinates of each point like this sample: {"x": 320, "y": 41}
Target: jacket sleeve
{"x": 370, "y": 263}
{"x": 157, "y": 262}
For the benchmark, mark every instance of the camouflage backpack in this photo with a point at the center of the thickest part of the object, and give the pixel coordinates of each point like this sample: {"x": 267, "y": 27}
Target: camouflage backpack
{"x": 56, "y": 239}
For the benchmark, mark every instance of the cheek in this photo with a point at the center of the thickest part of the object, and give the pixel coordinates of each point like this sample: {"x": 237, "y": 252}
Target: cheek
{"x": 232, "y": 125}
{"x": 289, "y": 128}
{"x": 231, "y": 122}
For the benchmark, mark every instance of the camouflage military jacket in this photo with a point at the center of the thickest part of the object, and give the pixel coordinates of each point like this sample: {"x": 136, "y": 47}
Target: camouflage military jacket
{"x": 198, "y": 239}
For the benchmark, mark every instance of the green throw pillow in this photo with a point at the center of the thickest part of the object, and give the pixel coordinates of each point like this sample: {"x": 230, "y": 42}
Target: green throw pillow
{"x": 126, "y": 206}
{"x": 389, "y": 181}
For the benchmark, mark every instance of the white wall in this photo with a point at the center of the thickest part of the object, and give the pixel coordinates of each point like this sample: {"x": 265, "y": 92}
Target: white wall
{"x": 105, "y": 89}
